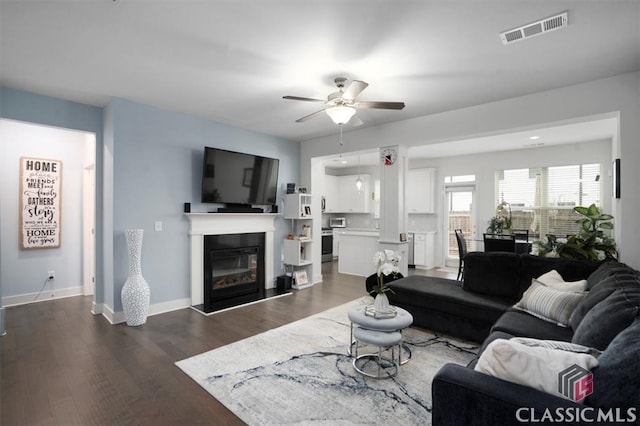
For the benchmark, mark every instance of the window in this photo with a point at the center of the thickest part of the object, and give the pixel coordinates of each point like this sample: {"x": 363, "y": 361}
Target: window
{"x": 542, "y": 200}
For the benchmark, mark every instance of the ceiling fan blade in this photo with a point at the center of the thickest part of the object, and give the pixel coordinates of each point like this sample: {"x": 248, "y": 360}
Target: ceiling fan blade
{"x": 306, "y": 117}
{"x": 355, "y": 88}
{"x": 298, "y": 98}
{"x": 379, "y": 105}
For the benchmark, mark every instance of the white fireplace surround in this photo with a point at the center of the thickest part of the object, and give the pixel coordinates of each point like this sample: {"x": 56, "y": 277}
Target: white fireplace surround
{"x": 202, "y": 224}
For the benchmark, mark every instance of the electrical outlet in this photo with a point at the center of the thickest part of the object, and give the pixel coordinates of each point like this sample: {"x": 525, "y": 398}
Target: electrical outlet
{"x": 51, "y": 275}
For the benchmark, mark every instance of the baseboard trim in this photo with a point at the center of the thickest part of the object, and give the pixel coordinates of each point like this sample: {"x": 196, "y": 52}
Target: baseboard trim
{"x": 155, "y": 309}
{"x": 44, "y": 296}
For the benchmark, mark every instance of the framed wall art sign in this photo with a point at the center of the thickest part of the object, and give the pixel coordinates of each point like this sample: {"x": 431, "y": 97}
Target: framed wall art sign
{"x": 40, "y": 202}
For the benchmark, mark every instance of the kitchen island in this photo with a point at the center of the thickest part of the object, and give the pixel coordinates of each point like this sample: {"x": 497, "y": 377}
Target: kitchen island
{"x": 356, "y": 248}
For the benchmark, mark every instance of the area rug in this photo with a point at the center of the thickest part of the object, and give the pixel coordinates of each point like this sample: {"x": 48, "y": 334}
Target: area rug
{"x": 301, "y": 373}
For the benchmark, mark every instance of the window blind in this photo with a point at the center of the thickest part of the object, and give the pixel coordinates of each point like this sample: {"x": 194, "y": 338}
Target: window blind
{"x": 542, "y": 200}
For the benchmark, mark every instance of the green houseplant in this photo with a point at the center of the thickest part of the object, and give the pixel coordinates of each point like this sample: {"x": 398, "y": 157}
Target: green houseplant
{"x": 590, "y": 243}
{"x": 501, "y": 222}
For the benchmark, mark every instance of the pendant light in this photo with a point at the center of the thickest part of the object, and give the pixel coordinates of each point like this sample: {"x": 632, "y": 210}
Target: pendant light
{"x": 358, "y": 180}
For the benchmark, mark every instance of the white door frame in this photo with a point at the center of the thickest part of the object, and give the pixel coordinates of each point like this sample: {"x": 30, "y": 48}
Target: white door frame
{"x": 457, "y": 187}
{"x": 88, "y": 229}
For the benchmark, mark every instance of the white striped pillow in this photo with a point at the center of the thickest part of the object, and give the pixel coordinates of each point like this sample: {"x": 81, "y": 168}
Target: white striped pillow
{"x": 549, "y": 304}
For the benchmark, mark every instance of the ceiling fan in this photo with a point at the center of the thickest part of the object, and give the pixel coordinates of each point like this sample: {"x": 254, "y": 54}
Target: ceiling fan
{"x": 341, "y": 106}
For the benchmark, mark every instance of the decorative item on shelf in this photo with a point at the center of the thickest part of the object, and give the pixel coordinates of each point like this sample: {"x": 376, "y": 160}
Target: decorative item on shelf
{"x": 306, "y": 232}
{"x": 135, "y": 292}
{"x": 590, "y": 243}
{"x": 300, "y": 277}
{"x": 501, "y": 222}
{"x": 386, "y": 262}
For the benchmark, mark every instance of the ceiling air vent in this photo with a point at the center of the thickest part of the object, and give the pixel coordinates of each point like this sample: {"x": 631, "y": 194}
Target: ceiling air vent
{"x": 542, "y": 26}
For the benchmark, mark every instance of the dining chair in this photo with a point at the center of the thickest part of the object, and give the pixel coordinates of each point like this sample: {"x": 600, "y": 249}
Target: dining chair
{"x": 499, "y": 242}
{"x": 462, "y": 252}
{"x": 522, "y": 240}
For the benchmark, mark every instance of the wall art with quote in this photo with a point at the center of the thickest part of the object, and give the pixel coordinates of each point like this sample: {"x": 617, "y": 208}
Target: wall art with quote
{"x": 40, "y": 202}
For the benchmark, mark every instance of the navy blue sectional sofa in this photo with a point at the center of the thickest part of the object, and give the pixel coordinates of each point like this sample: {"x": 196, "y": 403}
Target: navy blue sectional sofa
{"x": 480, "y": 309}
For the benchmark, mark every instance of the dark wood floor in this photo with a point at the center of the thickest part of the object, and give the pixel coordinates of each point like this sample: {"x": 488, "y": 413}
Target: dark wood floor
{"x": 61, "y": 365}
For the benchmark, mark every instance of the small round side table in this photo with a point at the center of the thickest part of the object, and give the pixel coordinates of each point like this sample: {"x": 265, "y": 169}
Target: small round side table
{"x": 402, "y": 320}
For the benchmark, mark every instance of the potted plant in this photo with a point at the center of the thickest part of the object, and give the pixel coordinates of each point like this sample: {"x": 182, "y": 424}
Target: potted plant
{"x": 501, "y": 222}
{"x": 387, "y": 270}
{"x": 590, "y": 243}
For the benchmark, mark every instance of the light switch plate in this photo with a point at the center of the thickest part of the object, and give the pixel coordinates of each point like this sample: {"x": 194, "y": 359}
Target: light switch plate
{"x": 158, "y": 226}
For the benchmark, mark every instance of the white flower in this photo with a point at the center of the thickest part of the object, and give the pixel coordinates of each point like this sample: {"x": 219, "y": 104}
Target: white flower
{"x": 388, "y": 268}
{"x": 386, "y": 262}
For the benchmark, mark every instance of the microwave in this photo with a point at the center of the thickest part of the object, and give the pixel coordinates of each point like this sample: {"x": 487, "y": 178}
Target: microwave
{"x": 337, "y": 222}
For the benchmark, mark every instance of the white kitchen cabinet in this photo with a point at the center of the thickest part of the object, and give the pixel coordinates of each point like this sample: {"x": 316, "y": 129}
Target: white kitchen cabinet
{"x": 336, "y": 244}
{"x": 421, "y": 190}
{"x": 356, "y": 250}
{"x": 353, "y": 200}
{"x": 420, "y": 249}
{"x": 376, "y": 199}
{"x": 331, "y": 194}
{"x": 424, "y": 250}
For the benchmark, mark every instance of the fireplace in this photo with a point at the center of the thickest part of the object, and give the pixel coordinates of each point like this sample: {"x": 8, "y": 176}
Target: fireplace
{"x": 203, "y": 225}
{"x": 234, "y": 270}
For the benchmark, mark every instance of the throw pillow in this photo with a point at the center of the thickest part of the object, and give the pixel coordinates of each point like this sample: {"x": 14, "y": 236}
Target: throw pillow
{"x": 549, "y": 304}
{"x": 536, "y": 367}
{"x": 557, "y": 344}
{"x": 554, "y": 280}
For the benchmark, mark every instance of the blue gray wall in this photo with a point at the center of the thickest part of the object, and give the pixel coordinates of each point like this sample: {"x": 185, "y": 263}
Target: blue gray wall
{"x": 148, "y": 163}
{"x": 157, "y": 158}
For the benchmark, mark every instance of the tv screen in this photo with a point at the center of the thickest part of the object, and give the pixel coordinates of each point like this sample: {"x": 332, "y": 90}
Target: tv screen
{"x": 230, "y": 177}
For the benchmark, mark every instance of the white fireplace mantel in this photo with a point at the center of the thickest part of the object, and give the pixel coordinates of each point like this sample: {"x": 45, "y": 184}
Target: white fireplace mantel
{"x": 201, "y": 224}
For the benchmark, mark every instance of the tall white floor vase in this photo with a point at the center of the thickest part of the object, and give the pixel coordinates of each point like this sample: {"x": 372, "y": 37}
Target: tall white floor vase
{"x": 135, "y": 294}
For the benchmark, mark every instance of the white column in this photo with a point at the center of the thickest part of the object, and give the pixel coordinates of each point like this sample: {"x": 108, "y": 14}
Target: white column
{"x": 393, "y": 206}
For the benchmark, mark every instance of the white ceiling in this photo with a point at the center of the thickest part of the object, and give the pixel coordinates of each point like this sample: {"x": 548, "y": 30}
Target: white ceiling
{"x": 232, "y": 61}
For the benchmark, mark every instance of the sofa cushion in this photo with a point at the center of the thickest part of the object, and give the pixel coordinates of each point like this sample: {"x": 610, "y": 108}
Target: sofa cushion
{"x": 442, "y": 294}
{"x": 549, "y": 304}
{"x": 608, "y": 318}
{"x": 607, "y": 269}
{"x": 600, "y": 291}
{"x": 518, "y": 323}
{"x": 533, "y": 366}
{"x": 493, "y": 274}
{"x": 554, "y": 280}
{"x": 569, "y": 269}
{"x": 616, "y": 380}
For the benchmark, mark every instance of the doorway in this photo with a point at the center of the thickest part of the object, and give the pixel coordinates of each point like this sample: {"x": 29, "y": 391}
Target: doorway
{"x": 459, "y": 214}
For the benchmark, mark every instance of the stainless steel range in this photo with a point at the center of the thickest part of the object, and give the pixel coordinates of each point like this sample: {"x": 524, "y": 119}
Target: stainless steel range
{"x": 327, "y": 244}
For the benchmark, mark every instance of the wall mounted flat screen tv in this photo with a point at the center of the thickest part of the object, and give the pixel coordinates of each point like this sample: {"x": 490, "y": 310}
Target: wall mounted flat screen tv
{"x": 236, "y": 178}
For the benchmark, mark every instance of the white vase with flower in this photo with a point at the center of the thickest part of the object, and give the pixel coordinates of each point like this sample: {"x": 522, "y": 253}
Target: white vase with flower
{"x": 386, "y": 262}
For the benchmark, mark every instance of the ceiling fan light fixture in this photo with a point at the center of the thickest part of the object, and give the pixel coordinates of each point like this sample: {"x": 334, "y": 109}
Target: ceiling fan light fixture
{"x": 341, "y": 114}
